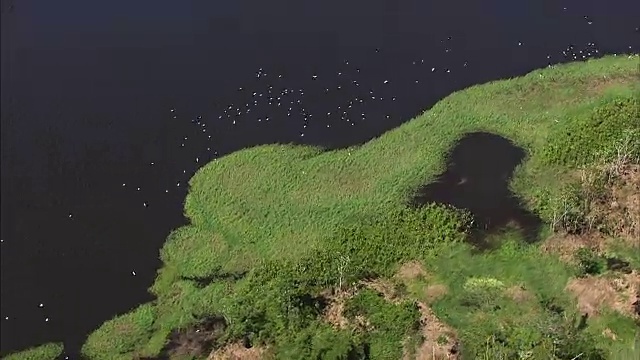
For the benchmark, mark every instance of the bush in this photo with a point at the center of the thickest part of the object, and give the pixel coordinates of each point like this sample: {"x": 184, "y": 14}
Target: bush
{"x": 321, "y": 341}
{"x": 390, "y": 323}
{"x": 552, "y": 337}
{"x": 482, "y": 292}
{"x": 589, "y": 262}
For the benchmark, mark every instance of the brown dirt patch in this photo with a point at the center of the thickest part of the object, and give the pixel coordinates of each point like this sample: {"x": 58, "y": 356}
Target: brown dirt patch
{"x": 519, "y": 294}
{"x": 334, "y": 311}
{"x": 435, "y": 292}
{"x": 411, "y": 271}
{"x": 440, "y": 340}
{"x": 237, "y": 352}
{"x": 414, "y": 270}
{"x": 594, "y": 293}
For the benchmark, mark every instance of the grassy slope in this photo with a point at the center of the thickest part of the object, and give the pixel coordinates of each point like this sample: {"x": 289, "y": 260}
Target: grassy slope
{"x": 277, "y": 201}
{"x": 282, "y": 202}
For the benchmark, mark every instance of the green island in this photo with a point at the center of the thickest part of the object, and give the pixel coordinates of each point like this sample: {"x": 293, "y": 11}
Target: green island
{"x": 294, "y": 252}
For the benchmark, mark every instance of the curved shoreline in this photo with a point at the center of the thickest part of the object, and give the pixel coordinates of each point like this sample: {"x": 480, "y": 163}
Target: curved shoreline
{"x": 282, "y": 203}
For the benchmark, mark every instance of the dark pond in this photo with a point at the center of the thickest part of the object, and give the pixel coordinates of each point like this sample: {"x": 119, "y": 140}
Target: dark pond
{"x": 108, "y": 107}
{"x": 479, "y": 169}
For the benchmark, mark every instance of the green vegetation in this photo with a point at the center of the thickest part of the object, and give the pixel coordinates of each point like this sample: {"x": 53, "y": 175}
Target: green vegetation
{"x": 278, "y": 227}
{"x": 589, "y": 262}
{"x": 43, "y": 352}
{"x": 390, "y": 323}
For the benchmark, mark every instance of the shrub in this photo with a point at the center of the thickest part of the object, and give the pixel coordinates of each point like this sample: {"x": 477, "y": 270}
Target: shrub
{"x": 321, "y": 341}
{"x": 589, "y": 262}
{"x": 390, "y": 323}
{"x": 481, "y": 292}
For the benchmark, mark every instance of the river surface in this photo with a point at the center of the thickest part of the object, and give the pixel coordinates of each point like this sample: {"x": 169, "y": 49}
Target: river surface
{"x": 109, "y": 107}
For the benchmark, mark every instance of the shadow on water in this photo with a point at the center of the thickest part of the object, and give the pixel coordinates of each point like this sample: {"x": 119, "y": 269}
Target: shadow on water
{"x": 479, "y": 169}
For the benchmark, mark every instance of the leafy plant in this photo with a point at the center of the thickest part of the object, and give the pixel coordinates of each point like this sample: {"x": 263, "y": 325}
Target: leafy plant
{"x": 589, "y": 262}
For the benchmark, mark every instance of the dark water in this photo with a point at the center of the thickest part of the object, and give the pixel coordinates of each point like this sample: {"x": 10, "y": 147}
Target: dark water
{"x": 479, "y": 169}
{"x": 88, "y": 90}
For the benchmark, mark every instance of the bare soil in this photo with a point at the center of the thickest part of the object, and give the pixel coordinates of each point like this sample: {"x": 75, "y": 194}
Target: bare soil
{"x": 334, "y": 312}
{"x": 439, "y": 340}
{"x": 197, "y": 340}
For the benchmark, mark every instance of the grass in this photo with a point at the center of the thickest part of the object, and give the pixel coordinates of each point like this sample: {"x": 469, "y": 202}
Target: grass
{"x": 42, "y": 352}
{"x": 274, "y": 226}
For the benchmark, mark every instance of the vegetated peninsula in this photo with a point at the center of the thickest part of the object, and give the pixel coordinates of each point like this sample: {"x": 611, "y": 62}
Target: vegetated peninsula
{"x": 503, "y": 223}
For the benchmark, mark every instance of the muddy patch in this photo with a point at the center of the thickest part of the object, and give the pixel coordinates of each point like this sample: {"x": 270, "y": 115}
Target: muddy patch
{"x": 479, "y": 170}
{"x": 197, "y": 340}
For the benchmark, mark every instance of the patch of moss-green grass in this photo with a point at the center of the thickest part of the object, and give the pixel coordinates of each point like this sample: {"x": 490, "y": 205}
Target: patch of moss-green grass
{"x": 43, "y": 352}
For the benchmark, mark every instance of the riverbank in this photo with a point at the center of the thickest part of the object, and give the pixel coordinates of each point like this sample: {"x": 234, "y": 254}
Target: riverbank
{"x": 289, "y": 247}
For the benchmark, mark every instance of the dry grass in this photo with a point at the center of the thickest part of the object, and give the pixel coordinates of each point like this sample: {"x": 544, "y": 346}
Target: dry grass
{"x": 566, "y": 245}
{"x": 237, "y": 351}
{"x": 623, "y": 212}
{"x": 595, "y": 293}
{"x": 411, "y": 270}
{"x": 520, "y": 294}
{"x": 334, "y": 312}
